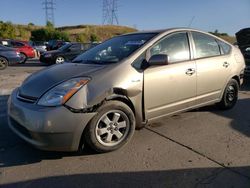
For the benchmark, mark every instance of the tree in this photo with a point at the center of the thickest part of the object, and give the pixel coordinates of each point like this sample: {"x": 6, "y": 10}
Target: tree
{"x": 31, "y": 24}
{"x": 46, "y": 34}
{"x": 94, "y": 38}
{"x": 50, "y": 25}
{"x": 83, "y": 37}
{"x": 7, "y": 30}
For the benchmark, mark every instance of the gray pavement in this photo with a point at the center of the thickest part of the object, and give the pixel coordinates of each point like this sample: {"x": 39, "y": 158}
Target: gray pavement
{"x": 201, "y": 148}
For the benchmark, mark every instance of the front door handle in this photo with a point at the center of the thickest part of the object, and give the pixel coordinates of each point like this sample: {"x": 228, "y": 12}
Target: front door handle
{"x": 190, "y": 71}
{"x": 226, "y": 64}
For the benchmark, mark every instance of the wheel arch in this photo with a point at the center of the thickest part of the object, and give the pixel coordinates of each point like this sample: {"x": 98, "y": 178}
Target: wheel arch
{"x": 237, "y": 79}
{"x": 4, "y": 58}
{"x": 120, "y": 94}
{"x": 117, "y": 94}
{"x": 24, "y": 54}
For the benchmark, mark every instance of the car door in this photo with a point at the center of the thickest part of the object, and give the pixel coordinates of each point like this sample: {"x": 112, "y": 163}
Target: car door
{"x": 213, "y": 67}
{"x": 73, "y": 51}
{"x": 170, "y": 88}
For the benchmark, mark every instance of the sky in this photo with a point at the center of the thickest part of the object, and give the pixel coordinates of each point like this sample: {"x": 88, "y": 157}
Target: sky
{"x": 227, "y": 16}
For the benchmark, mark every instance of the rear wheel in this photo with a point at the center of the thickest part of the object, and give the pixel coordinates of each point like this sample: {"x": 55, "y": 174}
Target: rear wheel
{"x": 3, "y": 63}
{"x": 23, "y": 58}
{"x": 111, "y": 128}
{"x": 60, "y": 60}
{"x": 230, "y": 95}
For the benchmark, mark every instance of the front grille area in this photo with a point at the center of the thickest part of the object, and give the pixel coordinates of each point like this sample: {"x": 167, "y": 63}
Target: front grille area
{"x": 20, "y": 128}
{"x": 27, "y": 99}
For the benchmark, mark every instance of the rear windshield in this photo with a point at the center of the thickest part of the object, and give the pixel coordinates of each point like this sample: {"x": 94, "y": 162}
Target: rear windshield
{"x": 115, "y": 49}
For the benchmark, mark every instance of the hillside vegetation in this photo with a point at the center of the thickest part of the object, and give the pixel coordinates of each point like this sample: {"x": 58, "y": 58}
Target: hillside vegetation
{"x": 85, "y": 33}
{"x": 78, "y": 33}
{"x": 224, "y": 36}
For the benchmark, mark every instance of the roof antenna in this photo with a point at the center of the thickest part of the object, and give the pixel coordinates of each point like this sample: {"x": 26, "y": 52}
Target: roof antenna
{"x": 191, "y": 21}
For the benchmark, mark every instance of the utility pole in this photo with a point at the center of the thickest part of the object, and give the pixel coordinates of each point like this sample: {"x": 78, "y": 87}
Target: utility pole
{"x": 49, "y": 7}
{"x": 110, "y": 9}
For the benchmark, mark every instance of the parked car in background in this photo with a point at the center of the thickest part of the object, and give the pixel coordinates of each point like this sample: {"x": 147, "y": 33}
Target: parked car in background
{"x": 55, "y": 44}
{"x": 123, "y": 83}
{"x": 39, "y": 46}
{"x": 66, "y": 53}
{"x": 26, "y": 51}
{"x": 243, "y": 41}
{"x": 8, "y": 56}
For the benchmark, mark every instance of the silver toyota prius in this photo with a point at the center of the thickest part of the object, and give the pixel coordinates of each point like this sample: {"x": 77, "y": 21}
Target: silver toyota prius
{"x": 104, "y": 94}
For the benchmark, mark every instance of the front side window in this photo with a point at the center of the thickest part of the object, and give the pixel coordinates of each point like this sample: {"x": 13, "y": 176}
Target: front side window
{"x": 176, "y": 46}
{"x": 115, "y": 49}
{"x": 17, "y": 44}
{"x": 205, "y": 45}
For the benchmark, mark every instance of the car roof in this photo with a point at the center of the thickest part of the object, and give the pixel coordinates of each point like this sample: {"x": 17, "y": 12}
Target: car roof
{"x": 159, "y": 31}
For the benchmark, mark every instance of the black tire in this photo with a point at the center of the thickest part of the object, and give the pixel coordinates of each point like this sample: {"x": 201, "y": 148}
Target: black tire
{"x": 24, "y": 58}
{"x": 230, "y": 95}
{"x": 97, "y": 133}
{"x": 3, "y": 63}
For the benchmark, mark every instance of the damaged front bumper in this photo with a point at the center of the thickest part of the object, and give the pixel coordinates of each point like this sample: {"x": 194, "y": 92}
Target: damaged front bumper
{"x": 47, "y": 128}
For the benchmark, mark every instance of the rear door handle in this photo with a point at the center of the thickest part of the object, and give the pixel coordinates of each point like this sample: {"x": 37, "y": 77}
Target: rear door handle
{"x": 190, "y": 71}
{"x": 226, "y": 64}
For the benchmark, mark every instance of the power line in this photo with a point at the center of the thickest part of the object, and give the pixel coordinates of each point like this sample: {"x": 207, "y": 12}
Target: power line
{"x": 109, "y": 12}
{"x": 49, "y": 7}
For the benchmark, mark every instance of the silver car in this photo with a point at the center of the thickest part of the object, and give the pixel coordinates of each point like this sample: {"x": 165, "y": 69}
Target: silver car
{"x": 122, "y": 84}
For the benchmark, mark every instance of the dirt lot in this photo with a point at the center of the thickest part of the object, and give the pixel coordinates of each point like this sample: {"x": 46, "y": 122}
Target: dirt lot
{"x": 200, "y": 148}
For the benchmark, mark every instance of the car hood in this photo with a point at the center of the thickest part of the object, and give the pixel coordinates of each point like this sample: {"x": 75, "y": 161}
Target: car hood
{"x": 38, "y": 83}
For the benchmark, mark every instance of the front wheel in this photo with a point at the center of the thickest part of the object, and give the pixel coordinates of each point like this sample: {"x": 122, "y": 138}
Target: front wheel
{"x": 230, "y": 95}
{"x": 111, "y": 128}
{"x": 3, "y": 63}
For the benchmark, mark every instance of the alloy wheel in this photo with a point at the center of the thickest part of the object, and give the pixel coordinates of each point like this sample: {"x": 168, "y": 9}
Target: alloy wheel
{"x": 231, "y": 93}
{"x": 59, "y": 60}
{"x": 112, "y": 128}
{"x": 3, "y": 63}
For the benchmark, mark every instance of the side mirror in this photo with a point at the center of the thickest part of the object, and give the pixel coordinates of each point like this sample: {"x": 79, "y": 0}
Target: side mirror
{"x": 159, "y": 59}
{"x": 68, "y": 50}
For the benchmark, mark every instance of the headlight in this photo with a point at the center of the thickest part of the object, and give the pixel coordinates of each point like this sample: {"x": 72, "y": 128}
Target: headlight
{"x": 61, "y": 93}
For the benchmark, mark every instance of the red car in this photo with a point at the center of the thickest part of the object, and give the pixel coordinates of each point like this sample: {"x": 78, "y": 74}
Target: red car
{"x": 26, "y": 51}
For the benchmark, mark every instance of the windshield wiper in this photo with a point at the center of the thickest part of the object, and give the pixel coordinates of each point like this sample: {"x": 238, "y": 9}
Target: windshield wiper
{"x": 87, "y": 61}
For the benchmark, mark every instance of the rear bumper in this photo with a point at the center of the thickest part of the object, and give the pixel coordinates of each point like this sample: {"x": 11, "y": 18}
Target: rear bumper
{"x": 47, "y": 128}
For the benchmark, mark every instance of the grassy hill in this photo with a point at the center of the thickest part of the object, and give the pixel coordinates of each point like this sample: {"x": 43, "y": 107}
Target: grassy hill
{"x": 84, "y": 33}
{"x": 101, "y": 32}
{"x": 81, "y": 33}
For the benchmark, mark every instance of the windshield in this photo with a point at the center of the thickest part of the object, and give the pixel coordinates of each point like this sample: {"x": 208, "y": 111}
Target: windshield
{"x": 115, "y": 49}
{"x": 64, "y": 47}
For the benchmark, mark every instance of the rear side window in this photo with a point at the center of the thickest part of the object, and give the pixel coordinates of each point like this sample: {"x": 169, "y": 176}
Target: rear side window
{"x": 205, "y": 45}
{"x": 176, "y": 46}
{"x": 225, "y": 48}
{"x": 17, "y": 44}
